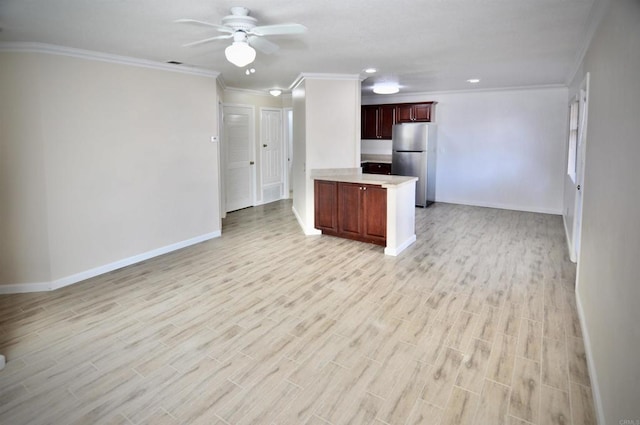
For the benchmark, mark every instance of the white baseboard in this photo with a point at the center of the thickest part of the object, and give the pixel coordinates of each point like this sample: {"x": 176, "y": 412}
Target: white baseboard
{"x": 501, "y": 206}
{"x": 396, "y": 251}
{"x": 572, "y": 255}
{"x": 308, "y": 232}
{"x": 595, "y": 389}
{"x": 87, "y": 274}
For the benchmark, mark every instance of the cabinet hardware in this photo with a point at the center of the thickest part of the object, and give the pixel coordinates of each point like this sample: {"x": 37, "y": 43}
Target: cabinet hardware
{"x": 264, "y": 145}
{"x": 251, "y": 162}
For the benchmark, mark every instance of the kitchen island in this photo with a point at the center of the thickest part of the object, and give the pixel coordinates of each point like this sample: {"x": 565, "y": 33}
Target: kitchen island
{"x": 372, "y": 208}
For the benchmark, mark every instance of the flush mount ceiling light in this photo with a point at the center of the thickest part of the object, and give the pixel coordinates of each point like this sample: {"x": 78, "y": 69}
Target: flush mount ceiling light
{"x": 473, "y": 80}
{"x": 370, "y": 70}
{"x": 240, "y": 53}
{"x": 275, "y": 92}
{"x": 386, "y": 88}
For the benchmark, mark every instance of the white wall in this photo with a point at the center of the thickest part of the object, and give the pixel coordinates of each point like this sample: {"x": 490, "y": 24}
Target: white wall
{"x": 299, "y": 155}
{"x": 117, "y": 163}
{"x": 608, "y": 287}
{"x": 326, "y": 130}
{"x": 503, "y": 149}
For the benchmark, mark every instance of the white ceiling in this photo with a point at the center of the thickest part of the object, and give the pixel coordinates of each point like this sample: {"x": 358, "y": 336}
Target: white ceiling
{"x": 425, "y": 45}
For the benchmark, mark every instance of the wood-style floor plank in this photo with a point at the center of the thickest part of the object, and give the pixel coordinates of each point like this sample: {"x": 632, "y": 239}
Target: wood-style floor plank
{"x": 475, "y": 323}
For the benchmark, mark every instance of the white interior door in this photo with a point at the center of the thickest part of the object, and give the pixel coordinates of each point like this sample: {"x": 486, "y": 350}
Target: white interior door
{"x": 272, "y": 150}
{"x": 239, "y": 155}
{"x": 580, "y": 163}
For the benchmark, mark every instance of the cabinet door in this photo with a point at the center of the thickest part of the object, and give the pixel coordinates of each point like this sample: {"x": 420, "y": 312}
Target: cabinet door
{"x": 374, "y": 214}
{"x": 349, "y": 209}
{"x": 369, "y": 126}
{"x": 422, "y": 112}
{"x": 326, "y": 206}
{"x": 404, "y": 113}
{"x": 386, "y": 120}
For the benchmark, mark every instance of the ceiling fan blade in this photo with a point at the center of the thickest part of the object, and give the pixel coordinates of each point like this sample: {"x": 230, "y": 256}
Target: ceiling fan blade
{"x": 207, "y": 40}
{"x": 264, "y": 45}
{"x": 220, "y": 28}
{"x": 278, "y": 29}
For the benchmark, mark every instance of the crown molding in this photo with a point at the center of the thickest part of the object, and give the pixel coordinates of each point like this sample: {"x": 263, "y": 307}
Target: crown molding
{"x": 409, "y": 97}
{"x": 29, "y": 47}
{"x": 324, "y": 76}
{"x": 247, "y": 91}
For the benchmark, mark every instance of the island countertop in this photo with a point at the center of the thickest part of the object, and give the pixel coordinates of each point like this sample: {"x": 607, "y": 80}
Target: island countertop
{"x": 360, "y": 178}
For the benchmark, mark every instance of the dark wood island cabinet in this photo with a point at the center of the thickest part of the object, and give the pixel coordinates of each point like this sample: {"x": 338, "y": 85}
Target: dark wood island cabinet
{"x": 351, "y": 210}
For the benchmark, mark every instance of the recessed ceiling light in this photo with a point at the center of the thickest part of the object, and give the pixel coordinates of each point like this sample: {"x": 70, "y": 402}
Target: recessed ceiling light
{"x": 370, "y": 70}
{"x": 275, "y": 92}
{"x": 386, "y": 88}
{"x": 473, "y": 80}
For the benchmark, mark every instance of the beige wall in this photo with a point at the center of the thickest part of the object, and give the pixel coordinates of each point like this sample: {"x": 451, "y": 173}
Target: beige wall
{"x": 608, "y": 287}
{"x": 120, "y": 163}
{"x": 24, "y": 246}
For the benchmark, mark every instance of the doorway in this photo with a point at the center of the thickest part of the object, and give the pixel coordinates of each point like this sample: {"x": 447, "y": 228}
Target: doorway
{"x": 239, "y": 141}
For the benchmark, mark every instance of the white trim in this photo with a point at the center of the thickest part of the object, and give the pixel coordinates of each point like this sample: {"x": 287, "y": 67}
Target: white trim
{"x": 595, "y": 389}
{"x": 247, "y": 91}
{"x": 323, "y": 76}
{"x": 87, "y": 274}
{"x": 28, "y": 47}
{"x": 378, "y": 99}
{"x": 397, "y": 250}
{"x": 502, "y": 206}
{"x": 308, "y": 232}
{"x": 572, "y": 255}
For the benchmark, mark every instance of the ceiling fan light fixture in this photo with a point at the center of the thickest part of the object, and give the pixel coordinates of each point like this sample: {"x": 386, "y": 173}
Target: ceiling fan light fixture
{"x": 240, "y": 53}
{"x": 386, "y": 88}
{"x": 275, "y": 92}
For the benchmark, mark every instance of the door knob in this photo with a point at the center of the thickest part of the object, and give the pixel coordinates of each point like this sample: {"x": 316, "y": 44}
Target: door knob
{"x": 264, "y": 146}
{"x": 251, "y": 162}
{"x": 578, "y": 187}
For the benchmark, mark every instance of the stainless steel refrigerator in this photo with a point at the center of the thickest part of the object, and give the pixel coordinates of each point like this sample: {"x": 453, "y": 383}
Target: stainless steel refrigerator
{"x": 414, "y": 154}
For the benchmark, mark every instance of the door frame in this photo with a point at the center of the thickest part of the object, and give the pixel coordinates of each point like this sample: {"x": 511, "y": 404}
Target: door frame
{"x": 287, "y": 132}
{"x": 252, "y": 152}
{"x": 583, "y": 116}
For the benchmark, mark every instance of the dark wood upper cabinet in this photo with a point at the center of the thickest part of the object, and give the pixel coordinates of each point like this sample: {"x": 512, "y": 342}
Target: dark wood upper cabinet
{"x": 386, "y": 120}
{"x": 378, "y": 120}
{"x": 369, "y": 126}
{"x": 414, "y": 112}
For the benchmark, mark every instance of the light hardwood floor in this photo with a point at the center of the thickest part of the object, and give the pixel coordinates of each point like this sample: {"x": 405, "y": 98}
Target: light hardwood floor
{"x": 475, "y": 323}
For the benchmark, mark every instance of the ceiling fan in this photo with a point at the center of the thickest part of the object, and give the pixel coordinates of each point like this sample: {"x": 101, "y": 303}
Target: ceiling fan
{"x": 246, "y": 35}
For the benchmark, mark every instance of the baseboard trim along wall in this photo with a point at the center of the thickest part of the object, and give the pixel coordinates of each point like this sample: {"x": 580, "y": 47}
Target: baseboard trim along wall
{"x": 595, "y": 389}
{"x": 572, "y": 255}
{"x": 307, "y": 231}
{"x": 501, "y": 206}
{"x": 18, "y": 288}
